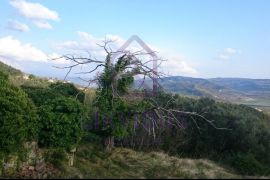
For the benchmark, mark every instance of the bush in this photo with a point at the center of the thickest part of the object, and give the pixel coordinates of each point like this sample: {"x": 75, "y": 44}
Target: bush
{"x": 61, "y": 122}
{"x": 246, "y": 164}
{"x": 67, "y": 90}
{"x": 18, "y": 117}
{"x": 39, "y": 95}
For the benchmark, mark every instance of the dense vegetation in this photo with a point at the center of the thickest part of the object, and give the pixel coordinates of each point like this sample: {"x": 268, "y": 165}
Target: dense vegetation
{"x": 9, "y": 70}
{"x": 18, "y": 117}
{"x": 61, "y": 112}
{"x": 247, "y": 142}
{"x": 51, "y": 116}
{"x": 54, "y": 115}
{"x": 60, "y": 121}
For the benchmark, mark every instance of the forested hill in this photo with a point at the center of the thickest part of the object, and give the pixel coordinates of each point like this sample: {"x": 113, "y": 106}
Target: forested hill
{"x": 18, "y": 78}
{"x": 9, "y": 70}
{"x": 236, "y": 90}
{"x": 244, "y": 84}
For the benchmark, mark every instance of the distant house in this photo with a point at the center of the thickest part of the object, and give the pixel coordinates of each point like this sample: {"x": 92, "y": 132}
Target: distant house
{"x": 26, "y": 77}
{"x": 258, "y": 109}
{"x": 67, "y": 82}
{"x": 51, "y": 80}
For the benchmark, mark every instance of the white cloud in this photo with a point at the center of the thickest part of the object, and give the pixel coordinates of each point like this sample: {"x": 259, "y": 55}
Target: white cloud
{"x": 42, "y": 25}
{"x": 35, "y": 12}
{"x": 17, "y": 26}
{"x": 11, "y": 48}
{"x": 230, "y": 50}
{"x": 24, "y": 56}
{"x": 176, "y": 64}
{"x": 57, "y": 59}
{"x": 86, "y": 43}
{"x": 228, "y": 53}
{"x": 89, "y": 43}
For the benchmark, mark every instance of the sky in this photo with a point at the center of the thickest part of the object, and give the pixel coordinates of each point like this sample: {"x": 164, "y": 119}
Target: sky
{"x": 198, "y": 38}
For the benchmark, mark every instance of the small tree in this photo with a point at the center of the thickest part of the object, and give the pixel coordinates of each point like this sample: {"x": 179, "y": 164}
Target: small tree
{"x": 61, "y": 122}
{"x": 114, "y": 83}
{"x": 18, "y": 118}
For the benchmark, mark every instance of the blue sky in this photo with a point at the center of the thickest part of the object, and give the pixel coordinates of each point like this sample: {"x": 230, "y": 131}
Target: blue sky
{"x": 200, "y": 38}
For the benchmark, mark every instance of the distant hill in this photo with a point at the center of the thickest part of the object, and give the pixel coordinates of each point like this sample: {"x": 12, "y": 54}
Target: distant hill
{"x": 254, "y": 92}
{"x": 9, "y": 70}
{"x": 257, "y": 89}
{"x": 243, "y": 84}
{"x": 19, "y": 78}
{"x": 235, "y": 90}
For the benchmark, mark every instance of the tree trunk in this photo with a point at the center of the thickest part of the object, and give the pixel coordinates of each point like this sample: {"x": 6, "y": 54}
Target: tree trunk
{"x": 109, "y": 143}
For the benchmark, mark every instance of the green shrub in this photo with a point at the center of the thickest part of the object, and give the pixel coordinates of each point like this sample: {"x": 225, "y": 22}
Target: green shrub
{"x": 39, "y": 95}
{"x": 18, "y": 117}
{"x": 67, "y": 90}
{"x": 61, "y": 122}
{"x": 31, "y": 76}
{"x": 246, "y": 164}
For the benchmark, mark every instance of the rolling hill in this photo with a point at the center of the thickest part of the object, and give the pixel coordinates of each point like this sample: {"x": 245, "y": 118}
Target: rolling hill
{"x": 252, "y": 92}
{"x": 9, "y": 70}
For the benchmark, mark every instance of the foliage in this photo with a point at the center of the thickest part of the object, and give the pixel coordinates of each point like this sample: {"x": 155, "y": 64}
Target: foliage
{"x": 60, "y": 122}
{"x": 31, "y": 76}
{"x": 114, "y": 81}
{"x": 18, "y": 117}
{"x": 40, "y": 95}
{"x": 246, "y": 164}
{"x": 3, "y": 77}
{"x": 68, "y": 90}
{"x": 61, "y": 114}
{"x": 249, "y": 130}
{"x": 9, "y": 70}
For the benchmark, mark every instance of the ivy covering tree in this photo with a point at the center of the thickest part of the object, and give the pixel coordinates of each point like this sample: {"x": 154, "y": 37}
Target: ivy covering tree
{"x": 113, "y": 82}
{"x": 113, "y": 85}
{"x": 18, "y": 117}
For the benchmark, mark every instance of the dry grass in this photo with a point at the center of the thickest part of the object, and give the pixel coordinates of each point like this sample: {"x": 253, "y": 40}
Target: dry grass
{"x": 92, "y": 162}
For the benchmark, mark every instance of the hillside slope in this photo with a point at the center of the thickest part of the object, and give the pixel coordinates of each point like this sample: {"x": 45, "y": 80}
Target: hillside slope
{"x": 201, "y": 88}
{"x": 93, "y": 162}
{"x": 18, "y": 78}
{"x": 254, "y": 92}
{"x": 9, "y": 70}
{"x": 257, "y": 89}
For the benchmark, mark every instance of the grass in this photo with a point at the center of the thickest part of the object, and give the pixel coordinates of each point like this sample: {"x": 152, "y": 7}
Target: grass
{"x": 93, "y": 162}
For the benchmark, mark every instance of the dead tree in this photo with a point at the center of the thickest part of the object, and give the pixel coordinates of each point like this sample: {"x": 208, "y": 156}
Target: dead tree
{"x": 128, "y": 64}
